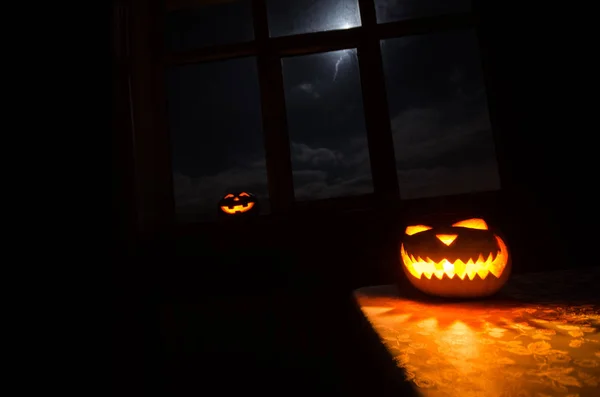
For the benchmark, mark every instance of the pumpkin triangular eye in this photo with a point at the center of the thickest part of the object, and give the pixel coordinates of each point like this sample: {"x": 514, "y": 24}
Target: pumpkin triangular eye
{"x": 244, "y": 194}
{"x": 228, "y": 196}
{"x": 474, "y": 223}
{"x": 410, "y": 230}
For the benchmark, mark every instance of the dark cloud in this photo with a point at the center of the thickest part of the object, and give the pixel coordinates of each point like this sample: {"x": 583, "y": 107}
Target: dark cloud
{"x": 427, "y": 137}
{"x": 394, "y": 10}
{"x": 434, "y": 157}
{"x": 323, "y": 172}
{"x": 199, "y": 196}
{"x": 309, "y": 89}
{"x": 304, "y": 154}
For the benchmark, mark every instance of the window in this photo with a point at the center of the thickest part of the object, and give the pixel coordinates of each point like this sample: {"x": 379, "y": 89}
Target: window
{"x": 200, "y": 24}
{"x": 329, "y": 152}
{"x": 398, "y": 10}
{"x": 439, "y": 115}
{"x": 287, "y": 17}
{"x": 216, "y": 135}
{"x": 304, "y": 100}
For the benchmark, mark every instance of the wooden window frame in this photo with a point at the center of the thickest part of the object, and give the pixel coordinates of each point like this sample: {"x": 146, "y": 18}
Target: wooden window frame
{"x": 149, "y": 61}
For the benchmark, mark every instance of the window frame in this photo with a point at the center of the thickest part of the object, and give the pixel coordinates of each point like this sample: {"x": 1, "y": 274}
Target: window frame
{"x": 154, "y": 189}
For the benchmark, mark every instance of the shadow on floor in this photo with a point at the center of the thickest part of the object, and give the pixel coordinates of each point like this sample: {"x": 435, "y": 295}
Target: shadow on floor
{"x": 279, "y": 346}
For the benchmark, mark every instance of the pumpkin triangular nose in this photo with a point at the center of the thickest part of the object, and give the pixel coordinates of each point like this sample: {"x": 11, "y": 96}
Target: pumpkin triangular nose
{"x": 446, "y": 238}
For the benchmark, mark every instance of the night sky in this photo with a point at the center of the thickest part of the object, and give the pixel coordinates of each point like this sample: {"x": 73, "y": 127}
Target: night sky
{"x": 436, "y": 96}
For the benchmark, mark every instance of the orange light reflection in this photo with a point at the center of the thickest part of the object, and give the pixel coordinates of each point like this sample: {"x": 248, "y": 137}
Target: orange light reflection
{"x": 497, "y": 350}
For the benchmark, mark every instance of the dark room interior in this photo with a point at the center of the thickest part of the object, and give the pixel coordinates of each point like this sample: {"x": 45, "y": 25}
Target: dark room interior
{"x": 348, "y": 121}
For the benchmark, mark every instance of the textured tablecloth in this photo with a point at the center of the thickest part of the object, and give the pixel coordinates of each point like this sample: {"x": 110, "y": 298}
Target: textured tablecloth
{"x": 540, "y": 337}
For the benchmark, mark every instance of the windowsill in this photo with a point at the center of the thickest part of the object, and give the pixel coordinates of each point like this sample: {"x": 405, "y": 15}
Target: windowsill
{"x": 357, "y": 207}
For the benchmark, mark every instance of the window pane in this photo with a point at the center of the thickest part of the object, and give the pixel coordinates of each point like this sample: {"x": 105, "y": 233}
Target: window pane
{"x": 216, "y": 134}
{"x": 288, "y": 17}
{"x": 329, "y": 149}
{"x": 439, "y": 114}
{"x": 208, "y": 22}
{"x": 396, "y": 10}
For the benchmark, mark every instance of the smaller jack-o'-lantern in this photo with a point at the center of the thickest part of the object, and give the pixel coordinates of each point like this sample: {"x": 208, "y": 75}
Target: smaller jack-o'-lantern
{"x": 462, "y": 260}
{"x": 238, "y": 204}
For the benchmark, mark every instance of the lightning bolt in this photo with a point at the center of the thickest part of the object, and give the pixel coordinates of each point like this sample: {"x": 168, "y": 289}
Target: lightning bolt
{"x": 337, "y": 66}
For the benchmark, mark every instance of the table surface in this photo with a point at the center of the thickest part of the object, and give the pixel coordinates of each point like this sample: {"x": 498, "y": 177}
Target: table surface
{"x": 538, "y": 337}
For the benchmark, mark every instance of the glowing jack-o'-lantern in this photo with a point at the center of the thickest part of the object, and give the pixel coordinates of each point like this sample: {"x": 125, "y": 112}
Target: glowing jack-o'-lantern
{"x": 238, "y": 204}
{"x": 464, "y": 260}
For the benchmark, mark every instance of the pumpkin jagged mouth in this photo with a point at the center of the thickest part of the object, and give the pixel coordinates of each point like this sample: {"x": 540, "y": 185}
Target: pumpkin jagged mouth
{"x": 481, "y": 266}
{"x": 232, "y": 209}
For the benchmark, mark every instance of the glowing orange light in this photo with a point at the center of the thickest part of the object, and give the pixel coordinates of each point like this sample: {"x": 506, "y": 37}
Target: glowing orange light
{"x": 237, "y": 208}
{"x": 481, "y": 266}
{"x": 475, "y": 223}
{"x": 446, "y": 238}
{"x": 410, "y": 230}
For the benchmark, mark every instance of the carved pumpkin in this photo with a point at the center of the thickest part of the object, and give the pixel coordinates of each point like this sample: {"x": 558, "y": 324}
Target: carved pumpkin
{"x": 462, "y": 260}
{"x": 238, "y": 204}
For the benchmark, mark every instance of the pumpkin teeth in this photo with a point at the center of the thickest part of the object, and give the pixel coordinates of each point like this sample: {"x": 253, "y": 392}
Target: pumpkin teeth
{"x": 482, "y": 267}
{"x": 234, "y": 209}
{"x": 237, "y": 205}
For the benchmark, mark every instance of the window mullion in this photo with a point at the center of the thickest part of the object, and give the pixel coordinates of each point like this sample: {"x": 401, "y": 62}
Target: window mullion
{"x": 276, "y": 139}
{"x": 377, "y": 118}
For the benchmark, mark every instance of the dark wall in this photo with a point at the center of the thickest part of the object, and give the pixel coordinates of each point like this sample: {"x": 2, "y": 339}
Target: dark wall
{"x": 540, "y": 60}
